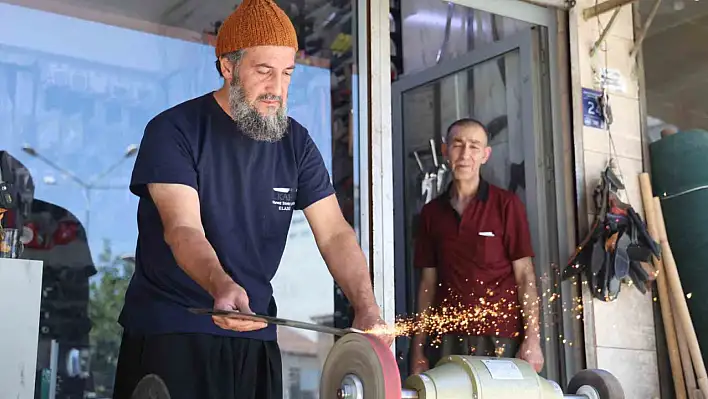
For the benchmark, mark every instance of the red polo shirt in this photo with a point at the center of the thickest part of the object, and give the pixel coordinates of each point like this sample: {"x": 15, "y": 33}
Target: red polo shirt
{"x": 473, "y": 253}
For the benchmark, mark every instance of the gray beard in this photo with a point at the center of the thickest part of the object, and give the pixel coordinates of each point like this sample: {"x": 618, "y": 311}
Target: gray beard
{"x": 253, "y": 124}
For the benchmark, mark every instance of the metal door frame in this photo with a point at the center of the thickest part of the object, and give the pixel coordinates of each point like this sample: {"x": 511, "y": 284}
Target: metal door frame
{"x": 526, "y": 43}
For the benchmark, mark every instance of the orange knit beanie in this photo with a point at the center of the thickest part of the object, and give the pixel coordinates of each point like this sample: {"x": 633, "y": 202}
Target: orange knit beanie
{"x": 255, "y": 23}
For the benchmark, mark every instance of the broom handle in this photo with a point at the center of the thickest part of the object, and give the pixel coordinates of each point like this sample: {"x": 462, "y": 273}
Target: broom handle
{"x": 679, "y": 301}
{"x": 687, "y": 365}
{"x": 664, "y": 299}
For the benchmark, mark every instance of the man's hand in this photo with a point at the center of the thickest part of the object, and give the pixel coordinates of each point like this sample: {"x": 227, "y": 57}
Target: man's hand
{"x": 230, "y": 296}
{"x": 371, "y": 322}
{"x": 525, "y": 276}
{"x": 530, "y": 351}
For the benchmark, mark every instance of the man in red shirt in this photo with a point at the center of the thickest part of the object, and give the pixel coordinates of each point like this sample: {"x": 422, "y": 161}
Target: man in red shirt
{"x": 474, "y": 248}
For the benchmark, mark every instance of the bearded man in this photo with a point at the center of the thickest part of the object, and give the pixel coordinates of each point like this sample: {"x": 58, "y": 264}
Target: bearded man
{"x": 218, "y": 179}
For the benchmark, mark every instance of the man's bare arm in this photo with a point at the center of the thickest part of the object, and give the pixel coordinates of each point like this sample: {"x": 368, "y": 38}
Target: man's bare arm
{"x": 338, "y": 245}
{"x": 179, "y": 210}
{"x": 528, "y": 297}
{"x": 426, "y": 295}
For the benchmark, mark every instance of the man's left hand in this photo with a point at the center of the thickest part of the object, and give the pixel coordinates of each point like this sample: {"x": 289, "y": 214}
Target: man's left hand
{"x": 371, "y": 322}
{"x": 531, "y": 352}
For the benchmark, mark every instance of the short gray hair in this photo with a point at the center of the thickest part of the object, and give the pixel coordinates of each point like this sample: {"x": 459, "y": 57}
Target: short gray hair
{"x": 463, "y": 123}
{"x": 233, "y": 57}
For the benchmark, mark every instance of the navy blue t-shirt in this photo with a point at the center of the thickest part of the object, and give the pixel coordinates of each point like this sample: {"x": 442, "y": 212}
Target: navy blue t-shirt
{"x": 247, "y": 190}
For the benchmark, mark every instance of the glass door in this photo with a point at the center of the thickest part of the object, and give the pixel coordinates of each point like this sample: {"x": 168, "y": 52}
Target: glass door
{"x": 497, "y": 84}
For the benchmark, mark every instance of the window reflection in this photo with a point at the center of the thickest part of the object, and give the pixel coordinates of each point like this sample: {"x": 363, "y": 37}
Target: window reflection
{"x": 73, "y": 106}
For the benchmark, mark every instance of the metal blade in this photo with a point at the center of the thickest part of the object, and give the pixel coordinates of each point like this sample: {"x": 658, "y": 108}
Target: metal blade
{"x": 234, "y": 314}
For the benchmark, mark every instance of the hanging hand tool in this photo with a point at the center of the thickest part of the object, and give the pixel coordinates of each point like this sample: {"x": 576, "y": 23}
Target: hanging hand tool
{"x": 617, "y": 248}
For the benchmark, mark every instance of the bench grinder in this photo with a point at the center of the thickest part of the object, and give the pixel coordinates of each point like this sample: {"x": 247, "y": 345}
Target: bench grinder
{"x": 360, "y": 366}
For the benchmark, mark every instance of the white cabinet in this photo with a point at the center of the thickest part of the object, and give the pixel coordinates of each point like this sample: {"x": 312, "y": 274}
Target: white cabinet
{"x": 20, "y": 295}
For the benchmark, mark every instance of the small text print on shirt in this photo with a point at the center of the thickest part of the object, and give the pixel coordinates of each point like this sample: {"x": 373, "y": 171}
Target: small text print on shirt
{"x": 284, "y": 198}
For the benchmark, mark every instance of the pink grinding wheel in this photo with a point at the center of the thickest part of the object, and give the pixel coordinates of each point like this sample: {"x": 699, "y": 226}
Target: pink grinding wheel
{"x": 368, "y": 360}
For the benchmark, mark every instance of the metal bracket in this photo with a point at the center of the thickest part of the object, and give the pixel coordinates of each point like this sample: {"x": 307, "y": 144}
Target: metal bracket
{"x": 605, "y": 6}
{"x": 605, "y": 31}
{"x": 645, "y": 28}
{"x": 562, "y": 4}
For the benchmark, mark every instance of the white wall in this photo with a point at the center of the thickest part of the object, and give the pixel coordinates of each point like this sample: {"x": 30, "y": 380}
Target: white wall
{"x": 620, "y": 335}
{"x": 20, "y": 294}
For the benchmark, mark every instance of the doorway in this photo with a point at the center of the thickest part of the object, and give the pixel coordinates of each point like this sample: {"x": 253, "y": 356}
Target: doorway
{"x": 502, "y": 85}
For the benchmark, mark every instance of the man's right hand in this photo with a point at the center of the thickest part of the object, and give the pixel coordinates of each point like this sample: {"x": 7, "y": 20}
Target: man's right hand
{"x": 419, "y": 362}
{"x": 178, "y": 205}
{"x": 230, "y": 296}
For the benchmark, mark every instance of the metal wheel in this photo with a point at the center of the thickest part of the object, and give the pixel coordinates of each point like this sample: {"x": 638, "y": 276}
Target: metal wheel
{"x": 602, "y": 382}
{"x": 360, "y": 366}
{"x": 151, "y": 387}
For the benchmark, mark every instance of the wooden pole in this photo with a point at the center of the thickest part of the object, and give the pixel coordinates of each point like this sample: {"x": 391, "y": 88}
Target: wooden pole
{"x": 664, "y": 299}
{"x": 687, "y": 364}
{"x": 679, "y": 301}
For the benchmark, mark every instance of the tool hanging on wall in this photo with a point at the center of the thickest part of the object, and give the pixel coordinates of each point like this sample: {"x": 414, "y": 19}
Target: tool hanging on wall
{"x": 432, "y": 181}
{"x": 448, "y": 23}
{"x": 618, "y": 246}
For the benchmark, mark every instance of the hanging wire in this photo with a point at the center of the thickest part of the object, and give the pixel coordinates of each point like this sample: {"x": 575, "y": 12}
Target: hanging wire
{"x": 612, "y": 161}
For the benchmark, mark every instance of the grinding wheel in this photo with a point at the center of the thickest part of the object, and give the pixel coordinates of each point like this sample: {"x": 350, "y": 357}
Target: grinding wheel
{"x": 360, "y": 366}
{"x": 605, "y": 385}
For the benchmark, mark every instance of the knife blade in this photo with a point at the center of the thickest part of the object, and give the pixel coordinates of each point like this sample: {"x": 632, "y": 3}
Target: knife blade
{"x": 234, "y": 314}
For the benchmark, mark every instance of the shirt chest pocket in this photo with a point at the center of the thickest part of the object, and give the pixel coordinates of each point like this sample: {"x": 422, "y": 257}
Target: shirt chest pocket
{"x": 489, "y": 248}
{"x": 278, "y": 211}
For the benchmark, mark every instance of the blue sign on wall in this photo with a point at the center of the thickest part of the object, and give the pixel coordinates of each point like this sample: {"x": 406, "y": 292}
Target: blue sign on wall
{"x": 593, "y": 115}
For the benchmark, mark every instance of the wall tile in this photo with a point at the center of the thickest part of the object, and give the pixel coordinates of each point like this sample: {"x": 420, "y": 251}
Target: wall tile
{"x": 597, "y": 140}
{"x": 627, "y": 322}
{"x": 622, "y": 27}
{"x": 616, "y": 58}
{"x": 623, "y": 24}
{"x": 625, "y": 130}
{"x": 637, "y": 371}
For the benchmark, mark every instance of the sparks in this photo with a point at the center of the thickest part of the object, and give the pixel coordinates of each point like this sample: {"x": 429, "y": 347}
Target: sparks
{"x": 485, "y": 315}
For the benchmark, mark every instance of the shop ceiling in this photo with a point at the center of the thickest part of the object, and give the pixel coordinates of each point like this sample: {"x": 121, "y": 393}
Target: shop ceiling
{"x": 676, "y": 63}
{"x": 194, "y": 15}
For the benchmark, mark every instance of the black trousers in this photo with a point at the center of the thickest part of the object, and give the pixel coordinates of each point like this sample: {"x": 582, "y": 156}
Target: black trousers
{"x": 201, "y": 366}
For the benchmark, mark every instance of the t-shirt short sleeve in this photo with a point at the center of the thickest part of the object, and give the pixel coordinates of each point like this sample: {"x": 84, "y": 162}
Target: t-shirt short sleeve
{"x": 424, "y": 255}
{"x": 517, "y": 237}
{"x": 165, "y": 156}
{"x": 313, "y": 178}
